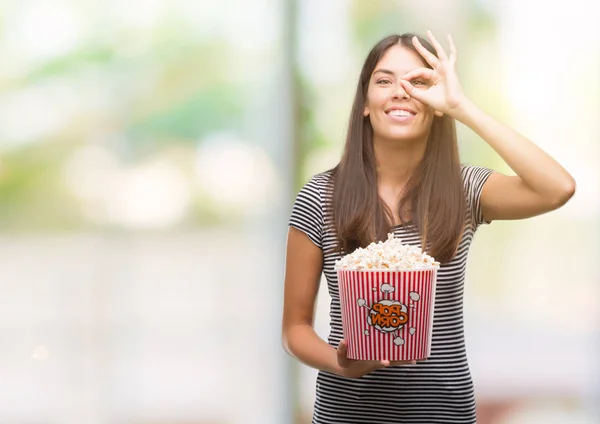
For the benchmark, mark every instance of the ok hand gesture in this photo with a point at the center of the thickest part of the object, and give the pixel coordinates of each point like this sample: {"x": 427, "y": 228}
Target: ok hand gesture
{"x": 441, "y": 88}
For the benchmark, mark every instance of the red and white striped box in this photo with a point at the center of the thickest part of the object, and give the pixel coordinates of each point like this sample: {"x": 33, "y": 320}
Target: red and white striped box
{"x": 387, "y": 315}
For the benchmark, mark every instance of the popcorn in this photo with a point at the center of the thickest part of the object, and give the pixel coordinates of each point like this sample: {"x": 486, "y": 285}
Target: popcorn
{"x": 388, "y": 255}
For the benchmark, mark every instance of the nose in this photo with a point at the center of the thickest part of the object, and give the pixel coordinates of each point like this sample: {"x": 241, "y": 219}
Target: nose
{"x": 400, "y": 93}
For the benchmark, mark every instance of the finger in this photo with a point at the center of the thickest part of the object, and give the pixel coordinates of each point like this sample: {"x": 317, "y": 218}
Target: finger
{"x": 427, "y": 55}
{"x": 437, "y": 46}
{"x": 408, "y": 87}
{"x": 373, "y": 364}
{"x": 394, "y": 363}
{"x": 412, "y": 90}
{"x": 418, "y": 73}
{"x": 379, "y": 364}
{"x": 453, "y": 51}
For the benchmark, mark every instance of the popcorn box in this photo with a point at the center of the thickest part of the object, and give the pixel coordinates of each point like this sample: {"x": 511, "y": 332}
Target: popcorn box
{"x": 387, "y": 314}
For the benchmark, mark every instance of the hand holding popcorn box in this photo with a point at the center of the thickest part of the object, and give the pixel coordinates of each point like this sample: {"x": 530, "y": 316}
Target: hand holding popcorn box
{"x": 387, "y": 294}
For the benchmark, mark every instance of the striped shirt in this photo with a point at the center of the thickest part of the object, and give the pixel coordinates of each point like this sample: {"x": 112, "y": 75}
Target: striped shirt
{"x": 437, "y": 390}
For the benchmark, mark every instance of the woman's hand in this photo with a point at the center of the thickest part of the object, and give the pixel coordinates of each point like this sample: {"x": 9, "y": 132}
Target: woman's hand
{"x": 352, "y": 368}
{"x": 439, "y": 87}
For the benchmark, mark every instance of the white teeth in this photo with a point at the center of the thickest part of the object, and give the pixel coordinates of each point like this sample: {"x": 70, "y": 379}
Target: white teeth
{"x": 397, "y": 112}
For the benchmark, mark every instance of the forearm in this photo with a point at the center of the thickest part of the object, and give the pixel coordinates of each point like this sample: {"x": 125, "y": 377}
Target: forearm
{"x": 538, "y": 170}
{"x": 302, "y": 342}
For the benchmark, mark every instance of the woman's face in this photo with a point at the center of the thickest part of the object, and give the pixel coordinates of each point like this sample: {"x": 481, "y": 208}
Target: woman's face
{"x": 394, "y": 115}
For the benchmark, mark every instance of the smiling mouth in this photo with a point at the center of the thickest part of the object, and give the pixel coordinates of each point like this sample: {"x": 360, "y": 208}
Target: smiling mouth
{"x": 400, "y": 113}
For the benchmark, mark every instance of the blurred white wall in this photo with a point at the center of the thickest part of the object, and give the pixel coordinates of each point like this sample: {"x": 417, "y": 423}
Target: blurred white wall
{"x": 154, "y": 319}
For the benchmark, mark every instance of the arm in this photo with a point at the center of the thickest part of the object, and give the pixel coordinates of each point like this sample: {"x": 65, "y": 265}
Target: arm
{"x": 304, "y": 263}
{"x": 541, "y": 184}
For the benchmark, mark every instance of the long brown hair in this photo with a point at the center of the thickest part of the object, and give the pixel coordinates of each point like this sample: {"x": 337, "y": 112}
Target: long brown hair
{"x": 434, "y": 193}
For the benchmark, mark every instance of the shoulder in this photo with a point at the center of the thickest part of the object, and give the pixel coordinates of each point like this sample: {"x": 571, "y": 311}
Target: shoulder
{"x": 318, "y": 184}
{"x": 315, "y": 190}
{"x": 308, "y": 212}
{"x": 323, "y": 179}
{"x": 474, "y": 176}
{"x": 469, "y": 172}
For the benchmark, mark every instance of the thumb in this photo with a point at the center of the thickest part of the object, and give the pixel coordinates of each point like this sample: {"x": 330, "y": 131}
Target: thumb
{"x": 342, "y": 354}
{"x": 342, "y": 348}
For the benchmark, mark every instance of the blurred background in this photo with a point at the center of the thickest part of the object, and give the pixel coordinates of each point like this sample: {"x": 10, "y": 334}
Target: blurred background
{"x": 150, "y": 151}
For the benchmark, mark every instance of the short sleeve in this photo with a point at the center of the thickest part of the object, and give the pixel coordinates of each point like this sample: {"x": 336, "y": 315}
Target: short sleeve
{"x": 474, "y": 177}
{"x": 307, "y": 212}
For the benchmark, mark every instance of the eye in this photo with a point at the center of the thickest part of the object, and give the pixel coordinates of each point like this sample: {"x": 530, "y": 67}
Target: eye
{"x": 383, "y": 81}
{"x": 418, "y": 82}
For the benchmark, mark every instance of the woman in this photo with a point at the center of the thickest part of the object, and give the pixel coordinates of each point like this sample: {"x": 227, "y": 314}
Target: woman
{"x": 400, "y": 173}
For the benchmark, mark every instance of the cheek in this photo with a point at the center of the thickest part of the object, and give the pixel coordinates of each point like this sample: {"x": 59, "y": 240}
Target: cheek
{"x": 428, "y": 118}
{"x": 375, "y": 99}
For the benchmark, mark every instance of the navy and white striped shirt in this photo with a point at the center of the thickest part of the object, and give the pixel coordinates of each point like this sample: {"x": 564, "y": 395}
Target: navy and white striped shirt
{"x": 438, "y": 390}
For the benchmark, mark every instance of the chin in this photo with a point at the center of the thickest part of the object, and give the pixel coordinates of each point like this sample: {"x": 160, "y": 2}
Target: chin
{"x": 400, "y": 135}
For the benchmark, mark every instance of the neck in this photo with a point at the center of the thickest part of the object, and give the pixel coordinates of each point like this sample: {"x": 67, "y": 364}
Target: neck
{"x": 396, "y": 162}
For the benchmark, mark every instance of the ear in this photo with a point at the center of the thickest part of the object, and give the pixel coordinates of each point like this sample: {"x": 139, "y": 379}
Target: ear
{"x": 438, "y": 113}
{"x": 366, "y": 111}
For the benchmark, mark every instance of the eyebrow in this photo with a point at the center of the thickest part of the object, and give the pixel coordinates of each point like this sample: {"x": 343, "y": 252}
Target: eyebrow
{"x": 384, "y": 71}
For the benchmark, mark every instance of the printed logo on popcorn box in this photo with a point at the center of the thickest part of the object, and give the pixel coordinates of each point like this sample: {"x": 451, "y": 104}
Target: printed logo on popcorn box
{"x": 390, "y": 316}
